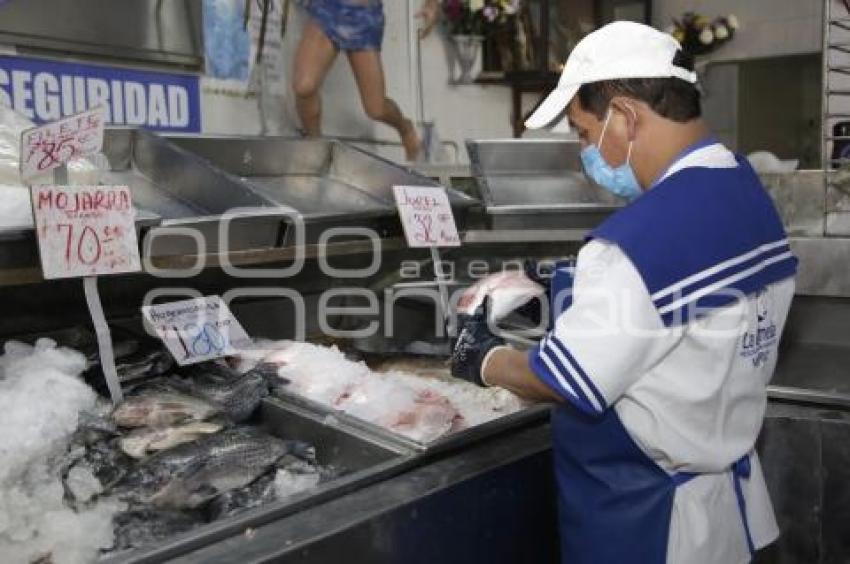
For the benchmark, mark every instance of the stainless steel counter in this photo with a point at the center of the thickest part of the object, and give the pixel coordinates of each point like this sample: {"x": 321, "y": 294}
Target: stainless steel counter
{"x": 493, "y": 502}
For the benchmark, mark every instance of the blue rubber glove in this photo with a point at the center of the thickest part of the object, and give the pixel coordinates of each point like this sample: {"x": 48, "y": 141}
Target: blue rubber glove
{"x": 474, "y": 341}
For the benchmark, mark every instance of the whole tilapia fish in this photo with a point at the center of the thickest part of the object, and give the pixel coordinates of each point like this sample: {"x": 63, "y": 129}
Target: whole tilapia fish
{"x": 225, "y": 461}
{"x": 139, "y": 442}
{"x": 237, "y": 394}
{"x": 145, "y": 364}
{"x": 190, "y": 474}
{"x": 161, "y": 408}
{"x": 233, "y": 502}
{"x": 106, "y": 461}
{"x": 138, "y": 527}
{"x": 132, "y": 365}
{"x": 270, "y": 372}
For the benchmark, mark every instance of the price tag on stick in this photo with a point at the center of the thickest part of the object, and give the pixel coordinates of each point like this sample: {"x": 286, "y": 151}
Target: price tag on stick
{"x": 81, "y": 231}
{"x": 85, "y": 231}
{"x": 196, "y": 330}
{"x": 427, "y": 219}
{"x": 53, "y": 144}
{"x": 426, "y": 216}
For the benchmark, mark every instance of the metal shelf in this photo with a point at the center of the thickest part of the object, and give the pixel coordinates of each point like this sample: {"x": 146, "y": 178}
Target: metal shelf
{"x": 256, "y": 257}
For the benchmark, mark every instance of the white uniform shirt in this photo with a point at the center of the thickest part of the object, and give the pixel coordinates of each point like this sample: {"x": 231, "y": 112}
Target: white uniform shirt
{"x": 691, "y": 396}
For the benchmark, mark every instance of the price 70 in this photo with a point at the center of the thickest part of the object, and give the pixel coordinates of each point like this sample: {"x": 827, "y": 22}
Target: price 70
{"x": 198, "y": 339}
{"x": 89, "y": 246}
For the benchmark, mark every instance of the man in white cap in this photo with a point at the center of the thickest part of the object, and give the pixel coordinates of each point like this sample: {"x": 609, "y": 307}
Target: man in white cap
{"x": 660, "y": 363}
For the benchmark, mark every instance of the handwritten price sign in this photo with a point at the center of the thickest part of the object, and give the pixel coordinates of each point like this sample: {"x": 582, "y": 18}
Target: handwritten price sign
{"x": 426, "y": 216}
{"x": 51, "y": 145}
{"x": 197, "y": 330}
{"x": 85, "y": 230}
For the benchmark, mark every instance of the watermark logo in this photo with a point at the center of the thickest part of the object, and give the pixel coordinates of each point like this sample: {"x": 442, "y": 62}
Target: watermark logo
{"x": 367, "y": 297}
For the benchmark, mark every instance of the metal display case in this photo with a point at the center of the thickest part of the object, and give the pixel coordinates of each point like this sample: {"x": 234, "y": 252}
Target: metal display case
{"x": 365, "y": 460}
{"x": 452, "y": 441}
{"x": 184, "y": 191}
{"x": 330, "y": 183}
{"x": 160, "y": 32}
{"x": 529, "y": 188}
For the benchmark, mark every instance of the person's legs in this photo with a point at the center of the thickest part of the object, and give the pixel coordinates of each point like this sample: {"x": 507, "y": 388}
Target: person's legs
{"x": 313, "y": 60}
{"x": 369, "y": 74}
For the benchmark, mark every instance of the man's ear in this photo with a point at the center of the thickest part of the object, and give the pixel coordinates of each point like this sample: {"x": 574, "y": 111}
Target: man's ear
{"x": 628, "y": 107}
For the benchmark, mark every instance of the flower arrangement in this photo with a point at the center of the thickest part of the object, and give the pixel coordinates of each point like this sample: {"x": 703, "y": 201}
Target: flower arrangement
{"x": 477, "y": 17}
{"x": 699, "y": 35}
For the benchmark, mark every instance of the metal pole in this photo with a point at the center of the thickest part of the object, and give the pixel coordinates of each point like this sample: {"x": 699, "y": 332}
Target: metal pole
{"x": 441, "y": 286}
{"x": 825, "y": 78}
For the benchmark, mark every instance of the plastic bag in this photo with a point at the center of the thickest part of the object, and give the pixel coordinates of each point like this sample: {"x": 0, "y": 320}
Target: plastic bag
{"x": 15, "y": 207}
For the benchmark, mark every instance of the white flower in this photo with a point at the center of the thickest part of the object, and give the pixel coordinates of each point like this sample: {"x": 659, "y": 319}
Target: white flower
{"x": 732, "y": 22}
{"x": 476, "y": 5}
{"x": 720, "y": 32}
{"x": 706, "y": 36}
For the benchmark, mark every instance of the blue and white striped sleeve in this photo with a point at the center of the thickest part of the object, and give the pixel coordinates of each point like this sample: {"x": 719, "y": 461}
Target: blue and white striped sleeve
{"x": 609, "y": 337}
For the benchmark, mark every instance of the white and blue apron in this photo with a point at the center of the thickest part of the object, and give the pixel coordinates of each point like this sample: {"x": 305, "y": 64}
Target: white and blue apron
{"x": 615, "y": 503}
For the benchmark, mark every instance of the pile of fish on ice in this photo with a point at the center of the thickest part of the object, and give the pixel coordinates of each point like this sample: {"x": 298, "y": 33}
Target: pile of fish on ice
{"x": 78, "y": 479}
{"x": 420, "y": 405}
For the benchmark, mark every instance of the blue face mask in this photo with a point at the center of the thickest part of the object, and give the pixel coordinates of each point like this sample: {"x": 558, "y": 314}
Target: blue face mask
{"x": 620, "y": 181}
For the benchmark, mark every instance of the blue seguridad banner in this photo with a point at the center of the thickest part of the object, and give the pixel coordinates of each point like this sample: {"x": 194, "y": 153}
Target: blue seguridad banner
{"x": 45, "y": 90}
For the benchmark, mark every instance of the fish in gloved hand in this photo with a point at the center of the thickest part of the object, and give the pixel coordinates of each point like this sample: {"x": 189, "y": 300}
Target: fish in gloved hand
{"x": 475, "y": 341}
{"x": 507, "y": 290}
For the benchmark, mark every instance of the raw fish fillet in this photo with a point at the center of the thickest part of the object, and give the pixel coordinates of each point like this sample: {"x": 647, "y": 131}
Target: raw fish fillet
{"x": 508, "y": 290}
{"x": 325, "y": 375}
{"x": 422, "y": 415}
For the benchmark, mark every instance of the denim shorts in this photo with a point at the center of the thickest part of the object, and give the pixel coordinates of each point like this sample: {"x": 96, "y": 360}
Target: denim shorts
{"x": 352, "y": 25}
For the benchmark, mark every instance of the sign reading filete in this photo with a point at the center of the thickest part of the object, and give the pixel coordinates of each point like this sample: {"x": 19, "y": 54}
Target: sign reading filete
{"x": 426, "y": 216}
{"x": 52, "y": 145}
{"x": 196, "y": 330}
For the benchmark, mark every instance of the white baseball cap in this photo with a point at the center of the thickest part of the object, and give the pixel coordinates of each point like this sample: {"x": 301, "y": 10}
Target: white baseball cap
{"x": 615, "y": 51}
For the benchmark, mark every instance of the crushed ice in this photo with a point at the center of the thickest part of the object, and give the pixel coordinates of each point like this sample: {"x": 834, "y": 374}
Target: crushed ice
{"x": 420, "y": 407}
{"x": 41, "y": 396}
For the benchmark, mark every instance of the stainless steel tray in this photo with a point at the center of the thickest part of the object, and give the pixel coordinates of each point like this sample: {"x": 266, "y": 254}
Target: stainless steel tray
{"x": 531, "y": 414}
{"x": 367, "y": 458}
{"x": 171, "y": 188}
{"x": 329, "y": 182}
{"x": 185, "y": 191}
{"x": 537, "y": 184}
